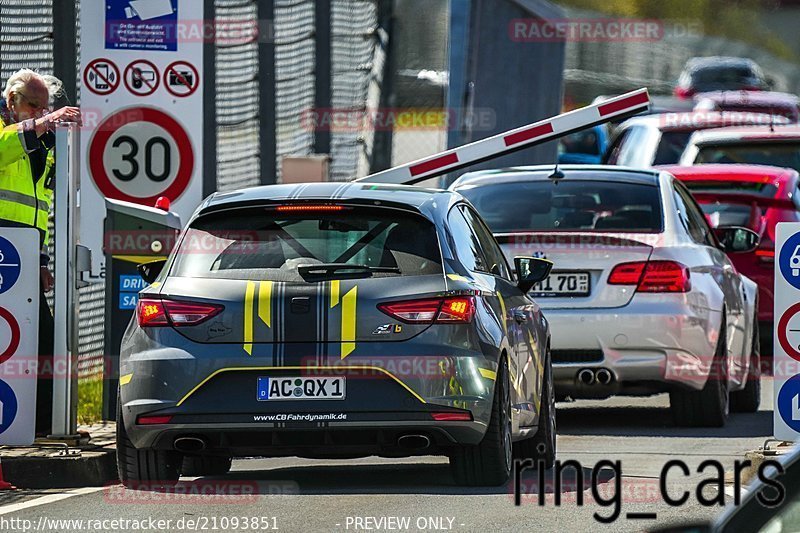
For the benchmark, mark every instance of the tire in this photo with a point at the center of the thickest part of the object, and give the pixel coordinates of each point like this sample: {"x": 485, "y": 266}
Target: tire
{"x": 205, "y": 465}
{"x": 489, "y": 462}
{"x": 748, "y": 399}
{"x": 144, "y": 469}
{"x": 707, "y": 407}
{"x": 542, "y": 446}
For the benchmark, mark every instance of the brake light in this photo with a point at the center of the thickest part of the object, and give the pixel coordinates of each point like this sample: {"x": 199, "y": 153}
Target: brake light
{"x": 627, "y": 274}
{"x": 153, "y": 420}
{"x": 766, "y": 250}
{"x": 305, "y": 208}
{"x": 156, "y": 313}
{"x": 440, "y": 310}
{"x": 652, "y": 276}
{"x": 766, "y": 255}
{"x": 151, "y": 313}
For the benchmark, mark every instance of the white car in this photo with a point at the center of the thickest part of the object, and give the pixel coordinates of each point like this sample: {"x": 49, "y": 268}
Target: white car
{"x": 778, "y": 146}
{"x": 642, "y": 298}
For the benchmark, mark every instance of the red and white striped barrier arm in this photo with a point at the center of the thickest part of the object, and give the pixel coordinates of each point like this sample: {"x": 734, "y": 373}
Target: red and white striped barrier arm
{"x": 511, "y": 141}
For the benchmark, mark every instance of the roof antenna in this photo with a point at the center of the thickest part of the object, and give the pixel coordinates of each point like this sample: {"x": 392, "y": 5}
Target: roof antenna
{"x": 556, "y": 176}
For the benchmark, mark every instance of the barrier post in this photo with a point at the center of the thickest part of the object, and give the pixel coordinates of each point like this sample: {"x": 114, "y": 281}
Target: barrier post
{"x": 69, "y": 261}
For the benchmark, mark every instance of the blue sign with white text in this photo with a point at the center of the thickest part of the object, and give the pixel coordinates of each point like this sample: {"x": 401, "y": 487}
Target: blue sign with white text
{"x": 133, "y": 283}
{"x": 128, "y": 300}
{"x": 9, "y": 265}
{"x": 142, "y": 25}
{"x": 129, "y": 287}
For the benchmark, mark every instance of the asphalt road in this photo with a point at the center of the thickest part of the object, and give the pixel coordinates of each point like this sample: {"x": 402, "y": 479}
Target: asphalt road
{"x": 369, "y": 494}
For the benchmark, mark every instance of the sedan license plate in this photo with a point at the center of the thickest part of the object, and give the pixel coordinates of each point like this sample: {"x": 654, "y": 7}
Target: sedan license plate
{"x": 563, "y": 284}
{"x": 297, "y": 388}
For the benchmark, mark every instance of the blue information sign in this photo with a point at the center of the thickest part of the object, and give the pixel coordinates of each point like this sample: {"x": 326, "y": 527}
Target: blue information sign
{"x": 142, "y": 25}
{"x": 10, "y": 265}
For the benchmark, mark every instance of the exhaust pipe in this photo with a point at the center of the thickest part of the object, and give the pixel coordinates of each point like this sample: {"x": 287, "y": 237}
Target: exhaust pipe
{"x": 189, "y": 444}
{"x": 604, "y": 376}
{"x": 413, "y": 442}
{"x": 586, "y": 376}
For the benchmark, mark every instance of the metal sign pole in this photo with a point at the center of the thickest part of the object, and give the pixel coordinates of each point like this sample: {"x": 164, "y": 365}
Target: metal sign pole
{"x": 67, "y": 216}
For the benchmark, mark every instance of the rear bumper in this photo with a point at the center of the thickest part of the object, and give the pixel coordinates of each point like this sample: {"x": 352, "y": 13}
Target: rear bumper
{"x": 215, "y": 397}
{"x": 647, "y": 346}
{"x": 332, "y": 440}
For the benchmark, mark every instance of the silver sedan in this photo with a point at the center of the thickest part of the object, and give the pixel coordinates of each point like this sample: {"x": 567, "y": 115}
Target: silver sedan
{"x": 642, "y": 298}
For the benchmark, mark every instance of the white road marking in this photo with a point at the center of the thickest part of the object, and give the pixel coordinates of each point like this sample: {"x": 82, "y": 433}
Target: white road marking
{"x": 50, "y": 498}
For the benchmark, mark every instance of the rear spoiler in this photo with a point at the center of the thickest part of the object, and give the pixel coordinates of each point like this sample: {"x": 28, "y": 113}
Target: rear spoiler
{"x": 744, "y": 199}
{"x": 511, "y": 141}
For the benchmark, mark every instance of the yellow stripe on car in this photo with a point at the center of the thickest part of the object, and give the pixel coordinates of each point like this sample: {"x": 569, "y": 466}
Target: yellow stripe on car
{"x": 271, "y": 368}
{"x": 334, "y": 293}
{"x": 124, "y": 380}
{"x": 249, "y": 296}
{"x": 348, "y": 338}
{"x": 488, "y": 374}
{"x": 265, "y": 302}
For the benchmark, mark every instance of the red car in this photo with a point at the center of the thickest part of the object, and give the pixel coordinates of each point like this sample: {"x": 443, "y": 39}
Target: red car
{"x": 753, "y": 196}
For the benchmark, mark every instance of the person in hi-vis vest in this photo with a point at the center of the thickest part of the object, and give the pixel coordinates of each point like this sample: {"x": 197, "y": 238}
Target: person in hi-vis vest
{"x": 27, "y": 173}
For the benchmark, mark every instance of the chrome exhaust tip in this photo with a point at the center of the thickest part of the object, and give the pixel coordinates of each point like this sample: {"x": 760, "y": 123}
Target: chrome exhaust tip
{"x": 586, "y": 376}
{"x": 413, "y": 442}
{"x": 189, "y": 444}
{"x": 604, "y": 376}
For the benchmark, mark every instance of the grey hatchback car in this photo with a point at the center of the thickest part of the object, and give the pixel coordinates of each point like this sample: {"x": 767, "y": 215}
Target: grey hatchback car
{"x": 335, "y": 320}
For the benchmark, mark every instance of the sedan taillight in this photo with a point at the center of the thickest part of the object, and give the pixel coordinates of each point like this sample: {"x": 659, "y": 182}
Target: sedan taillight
{"x": 652, "y": 276}
{"x": 157, "y": 313}
{"x": 440, "y": 310}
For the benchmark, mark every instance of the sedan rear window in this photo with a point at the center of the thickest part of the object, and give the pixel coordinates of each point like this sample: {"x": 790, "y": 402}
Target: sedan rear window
{"x": 778, "y": 154}
{"x": 308, "y": 244}
{"x": 571, "y": 205}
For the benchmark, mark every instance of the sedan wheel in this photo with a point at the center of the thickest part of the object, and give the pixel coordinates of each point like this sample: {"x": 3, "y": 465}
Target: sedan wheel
{"x": 707, "y": 407}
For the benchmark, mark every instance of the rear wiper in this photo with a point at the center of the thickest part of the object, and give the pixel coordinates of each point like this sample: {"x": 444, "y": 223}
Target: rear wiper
{"x": 328, "y": 269}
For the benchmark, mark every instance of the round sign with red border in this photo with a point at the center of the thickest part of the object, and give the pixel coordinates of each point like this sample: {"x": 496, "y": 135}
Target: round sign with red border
{"x": 783, "y": 332}
{"x": 101, "y": 76}
{"x": 140, "y": 153}
{"x": 142, "y": 78}
{"x": 181, "y": 79}
{"x": 13, "y": 343}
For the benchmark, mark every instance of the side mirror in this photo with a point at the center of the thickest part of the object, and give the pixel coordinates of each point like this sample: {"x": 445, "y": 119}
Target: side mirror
{"x": 531, "y": 270}
{"x": 150, "y": 271}
{"x": 737, "y": 240}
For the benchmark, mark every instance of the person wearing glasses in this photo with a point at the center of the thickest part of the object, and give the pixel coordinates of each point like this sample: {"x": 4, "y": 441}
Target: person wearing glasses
{"x": 27, "y": 171}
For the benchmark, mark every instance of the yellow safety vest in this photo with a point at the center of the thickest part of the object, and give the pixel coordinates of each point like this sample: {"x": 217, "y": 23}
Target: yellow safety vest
{"x": 21, "y": 200}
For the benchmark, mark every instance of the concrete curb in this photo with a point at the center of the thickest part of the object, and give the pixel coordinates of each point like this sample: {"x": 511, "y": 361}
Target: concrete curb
{"x": 93, "y": 468}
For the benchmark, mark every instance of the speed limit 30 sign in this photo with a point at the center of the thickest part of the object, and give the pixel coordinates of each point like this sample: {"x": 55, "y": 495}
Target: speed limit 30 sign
{"x": 140, "y": 153}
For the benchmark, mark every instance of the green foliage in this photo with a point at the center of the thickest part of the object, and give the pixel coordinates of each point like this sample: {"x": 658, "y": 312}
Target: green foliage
{"x": 90, "y": 400}
{"x": 733, "y": 19}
